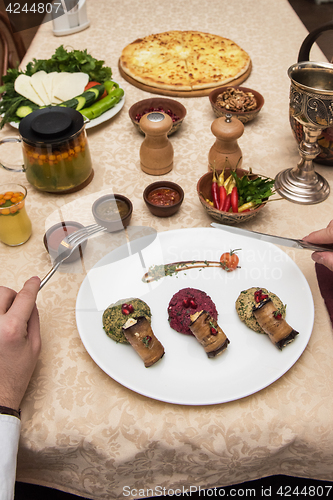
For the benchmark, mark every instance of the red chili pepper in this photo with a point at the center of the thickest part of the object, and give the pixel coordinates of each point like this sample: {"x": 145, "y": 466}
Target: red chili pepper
{"x": 223, "y": 195}
{"x": 227, "y": 203}
{"x": 215, "y": 191}
{"x": 234, "y": 199}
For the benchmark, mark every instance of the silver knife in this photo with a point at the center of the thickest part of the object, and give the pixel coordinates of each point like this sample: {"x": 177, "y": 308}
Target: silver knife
{"x": 277, "y": 240}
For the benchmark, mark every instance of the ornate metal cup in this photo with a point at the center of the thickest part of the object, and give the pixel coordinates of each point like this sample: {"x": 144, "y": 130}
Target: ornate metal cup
{"x": 311, "y": 104}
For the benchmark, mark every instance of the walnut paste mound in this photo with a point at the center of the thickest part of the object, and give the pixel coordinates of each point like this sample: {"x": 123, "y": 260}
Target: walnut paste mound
{"x": 116, "y": 315}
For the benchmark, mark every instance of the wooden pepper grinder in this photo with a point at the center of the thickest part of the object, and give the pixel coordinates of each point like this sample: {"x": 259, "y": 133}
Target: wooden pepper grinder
{"x": 226, "y": 130}
{"x": 156, "y": 151}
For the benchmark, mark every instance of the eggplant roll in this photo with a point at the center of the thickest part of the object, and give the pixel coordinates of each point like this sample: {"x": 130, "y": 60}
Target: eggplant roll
{"x": 208, "y": 333}
{"x": 140, "y": 335}
{"x": 271, "y": 321}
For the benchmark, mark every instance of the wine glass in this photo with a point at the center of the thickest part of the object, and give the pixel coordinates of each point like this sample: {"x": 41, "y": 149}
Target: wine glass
{"x": 311, "y": 104}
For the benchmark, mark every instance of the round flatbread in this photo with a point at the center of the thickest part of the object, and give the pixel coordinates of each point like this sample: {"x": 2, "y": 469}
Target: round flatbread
{"x": 184, "y": 60}
{"x": 114, "y": 319}
{"x": 246, "y": 302}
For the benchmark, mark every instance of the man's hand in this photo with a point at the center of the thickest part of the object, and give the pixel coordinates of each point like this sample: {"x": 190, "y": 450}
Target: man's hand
{"x": 322, "y": 236}
{"x": 20, "y": 341}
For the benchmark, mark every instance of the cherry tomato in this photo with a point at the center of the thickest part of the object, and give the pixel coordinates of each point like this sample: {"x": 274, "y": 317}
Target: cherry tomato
{"x": 92, "y": 84}
{"x": 229, "y": 260}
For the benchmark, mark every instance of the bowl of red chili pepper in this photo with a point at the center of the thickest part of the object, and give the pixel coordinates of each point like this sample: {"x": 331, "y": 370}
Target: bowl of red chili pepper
{"x": 233, "y": 196}
{"x": 163, "y": 198}
{"x": 173, "y": 108}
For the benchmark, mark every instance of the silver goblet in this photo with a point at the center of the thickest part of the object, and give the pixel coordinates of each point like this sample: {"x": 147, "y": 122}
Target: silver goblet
{"x": 311, "y": 104}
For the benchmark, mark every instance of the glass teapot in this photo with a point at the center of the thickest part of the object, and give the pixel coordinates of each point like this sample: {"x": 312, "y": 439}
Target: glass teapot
{"x": 55, "y": 148}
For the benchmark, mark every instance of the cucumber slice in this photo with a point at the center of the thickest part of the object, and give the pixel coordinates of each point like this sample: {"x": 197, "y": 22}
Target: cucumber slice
{"x": 23, "y": 111}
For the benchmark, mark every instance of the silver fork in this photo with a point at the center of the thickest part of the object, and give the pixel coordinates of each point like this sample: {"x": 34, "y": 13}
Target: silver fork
{"x": 68, "y": 245}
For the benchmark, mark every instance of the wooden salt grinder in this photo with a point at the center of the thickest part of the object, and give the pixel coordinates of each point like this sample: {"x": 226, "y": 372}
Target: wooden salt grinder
{"x": 156, "y": 151}
{"x": 226, "y": 130}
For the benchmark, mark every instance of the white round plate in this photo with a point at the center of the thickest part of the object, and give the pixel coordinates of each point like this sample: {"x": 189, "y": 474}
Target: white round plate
{"x": 185, "y": 375}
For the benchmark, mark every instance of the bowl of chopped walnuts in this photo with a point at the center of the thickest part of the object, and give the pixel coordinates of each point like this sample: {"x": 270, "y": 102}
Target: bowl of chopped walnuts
{"x": 241, "y": 102}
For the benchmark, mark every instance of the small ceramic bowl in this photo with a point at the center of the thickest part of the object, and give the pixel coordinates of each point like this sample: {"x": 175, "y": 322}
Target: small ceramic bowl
{"x": 163, "y": 210}
{"x": 243, "y": 116}
{"x": 169, "y": 106}
{"x": 113, "y": 211}
{"x": 204, "y": 192}
{"x": 55, "y": 234}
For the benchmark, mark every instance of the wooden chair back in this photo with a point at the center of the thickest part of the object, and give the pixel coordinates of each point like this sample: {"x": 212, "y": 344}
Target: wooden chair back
{"x": 12, "y": 46}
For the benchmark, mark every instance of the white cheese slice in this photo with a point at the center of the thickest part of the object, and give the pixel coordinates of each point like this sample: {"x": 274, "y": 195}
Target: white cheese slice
{"x": 37, "y": 83}
{"x": 56, "y": 81}
{"x": 130, "y": 322}
{"x": 69, "y": 85}
{"x": 48, "y": 84}
{"x": 23, "y": 86}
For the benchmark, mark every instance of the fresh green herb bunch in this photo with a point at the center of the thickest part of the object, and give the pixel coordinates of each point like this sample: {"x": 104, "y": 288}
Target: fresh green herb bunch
{"x": 72, "y": 61}
{"x": 253, "y": 190}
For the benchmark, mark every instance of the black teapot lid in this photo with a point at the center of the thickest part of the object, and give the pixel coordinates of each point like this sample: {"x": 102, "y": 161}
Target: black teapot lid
{"x": 51, "y": 125}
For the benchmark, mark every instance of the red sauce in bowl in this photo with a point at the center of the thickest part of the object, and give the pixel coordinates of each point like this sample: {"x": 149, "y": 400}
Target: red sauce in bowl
{"x": 56, "y": 237}
{"x": 163, "y": 197}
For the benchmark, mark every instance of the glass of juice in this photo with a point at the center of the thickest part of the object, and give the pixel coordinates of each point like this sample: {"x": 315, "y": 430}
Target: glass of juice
{"x": 15, "y": 225}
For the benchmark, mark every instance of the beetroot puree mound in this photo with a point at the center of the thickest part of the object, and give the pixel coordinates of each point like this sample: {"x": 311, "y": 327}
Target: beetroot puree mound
{"x": 185, "y": 303}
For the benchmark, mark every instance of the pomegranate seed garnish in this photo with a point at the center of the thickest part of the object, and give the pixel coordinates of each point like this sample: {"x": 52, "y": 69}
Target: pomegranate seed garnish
{"x": 130, "y": 308}
{"x": 277, "y": 315}
{"x": 213, "y": 331}
{"x": 193, "y": 304}
{"x": 259, "y": 296}
{"x": 186, "y": 303}
{"x": 172, "y": 115}
{"x": 125, "y": 308}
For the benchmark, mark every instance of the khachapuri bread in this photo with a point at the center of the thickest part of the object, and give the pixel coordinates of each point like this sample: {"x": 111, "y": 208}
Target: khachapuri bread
{"x": 184, "y": 60}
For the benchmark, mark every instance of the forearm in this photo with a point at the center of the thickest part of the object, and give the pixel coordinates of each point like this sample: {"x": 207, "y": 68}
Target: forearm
{"x": 9, "y": 438}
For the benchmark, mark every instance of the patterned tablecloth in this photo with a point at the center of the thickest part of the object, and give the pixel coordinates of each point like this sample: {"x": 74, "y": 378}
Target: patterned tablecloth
{"x": 85, "y": 433}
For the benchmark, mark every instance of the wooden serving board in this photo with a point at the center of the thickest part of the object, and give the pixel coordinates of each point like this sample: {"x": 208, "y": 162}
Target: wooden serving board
{"x": 182, "y": 93}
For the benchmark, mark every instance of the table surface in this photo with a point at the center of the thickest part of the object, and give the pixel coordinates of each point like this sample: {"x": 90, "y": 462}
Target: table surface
{"x": 85, "y": 433}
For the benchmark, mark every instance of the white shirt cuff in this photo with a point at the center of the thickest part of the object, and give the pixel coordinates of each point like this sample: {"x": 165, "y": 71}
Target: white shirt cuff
{"x": 9, "y": 438}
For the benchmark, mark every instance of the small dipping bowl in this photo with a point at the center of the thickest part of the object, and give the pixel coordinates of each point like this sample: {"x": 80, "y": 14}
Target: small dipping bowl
{"x": 54, "y": 236}
{"x": 160, "y": 208}
{"x": 112, "y": 211}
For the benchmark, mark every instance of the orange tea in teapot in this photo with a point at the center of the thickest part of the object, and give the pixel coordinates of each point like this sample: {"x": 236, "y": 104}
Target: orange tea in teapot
{"x": 58, "y": 167}
{"x": 55, "y": 150}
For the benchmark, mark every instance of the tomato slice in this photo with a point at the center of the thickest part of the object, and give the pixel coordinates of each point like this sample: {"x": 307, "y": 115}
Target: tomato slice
{"x": 229, "y": 260}
{"x": 93, "y": 84}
